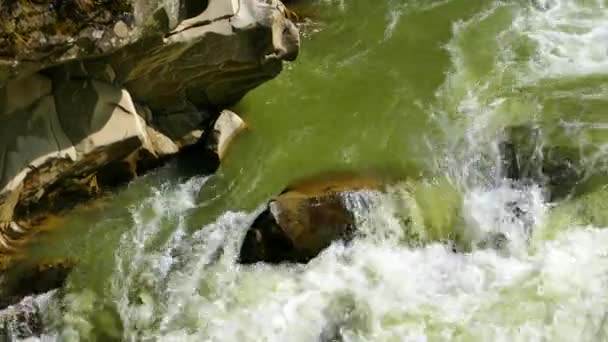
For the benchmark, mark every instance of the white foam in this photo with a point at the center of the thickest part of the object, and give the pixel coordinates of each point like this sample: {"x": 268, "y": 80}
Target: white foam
{"x": 513, "y": 212}
{"x": 571, "y": 38}
{"x": 373, "y": 289}
{"x": 397, "y": 9}
{"x": 376, "y": 291}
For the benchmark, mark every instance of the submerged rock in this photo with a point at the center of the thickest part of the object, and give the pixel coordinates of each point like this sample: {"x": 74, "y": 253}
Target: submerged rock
{"x": 494, "y": 240}
{"x": 92, "y": 94}
{"x": 302, "y": 221}
{"x": 527, "y": 158}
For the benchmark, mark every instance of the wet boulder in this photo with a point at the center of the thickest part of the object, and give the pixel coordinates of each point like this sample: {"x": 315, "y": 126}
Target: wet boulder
{"x": 26, "y": 280}
{"x": 298, "y": 224}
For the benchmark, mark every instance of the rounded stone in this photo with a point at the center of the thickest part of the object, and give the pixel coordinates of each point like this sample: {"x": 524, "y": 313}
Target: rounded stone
{"x": 121, "y": 29}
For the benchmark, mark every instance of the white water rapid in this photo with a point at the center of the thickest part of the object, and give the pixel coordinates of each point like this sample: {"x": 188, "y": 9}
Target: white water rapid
{"x": 520, "y": 275}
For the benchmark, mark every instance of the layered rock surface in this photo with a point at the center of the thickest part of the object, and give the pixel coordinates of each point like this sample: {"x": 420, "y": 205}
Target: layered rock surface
{"x": 90, "y": 93}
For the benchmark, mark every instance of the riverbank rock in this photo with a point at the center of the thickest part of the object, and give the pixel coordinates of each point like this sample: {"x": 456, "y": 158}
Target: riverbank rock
{"x": 93, "y": 94}
{"x": 304, "y": 220}
{"x": 227, "y": 126}
{"x": 22, "y": 280}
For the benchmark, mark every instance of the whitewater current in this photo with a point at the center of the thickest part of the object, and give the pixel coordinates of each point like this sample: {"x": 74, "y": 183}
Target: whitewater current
{"x": 549, "y": 283}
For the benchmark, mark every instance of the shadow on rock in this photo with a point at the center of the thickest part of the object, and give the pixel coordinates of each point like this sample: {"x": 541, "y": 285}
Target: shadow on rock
{"x": 304, "y": 220}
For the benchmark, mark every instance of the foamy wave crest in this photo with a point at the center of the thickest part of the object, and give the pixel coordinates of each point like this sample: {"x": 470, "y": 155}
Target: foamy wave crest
{"x": 571, "y": 38}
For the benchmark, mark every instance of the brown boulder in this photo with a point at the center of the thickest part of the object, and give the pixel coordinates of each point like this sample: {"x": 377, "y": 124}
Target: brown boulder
{"x": 302, "y": 221}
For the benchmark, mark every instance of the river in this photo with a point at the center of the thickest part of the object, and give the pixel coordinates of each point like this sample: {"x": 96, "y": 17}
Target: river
{"x": 419, "y": 91}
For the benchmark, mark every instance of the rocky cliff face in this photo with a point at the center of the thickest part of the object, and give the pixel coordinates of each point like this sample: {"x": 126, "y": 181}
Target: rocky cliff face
{"x": 90, "y": 89}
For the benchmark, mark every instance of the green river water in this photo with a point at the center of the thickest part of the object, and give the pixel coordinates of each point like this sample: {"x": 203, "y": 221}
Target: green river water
{"x": 418, "y": 91}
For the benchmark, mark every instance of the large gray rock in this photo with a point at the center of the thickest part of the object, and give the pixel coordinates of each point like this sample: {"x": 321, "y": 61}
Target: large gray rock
{"x": 176, "y": 61}
{"x": 167, "y": 53}
{"x": 89, "y": 88}
{"x": 206, "y": 62}
{"x": 79, "y": 128}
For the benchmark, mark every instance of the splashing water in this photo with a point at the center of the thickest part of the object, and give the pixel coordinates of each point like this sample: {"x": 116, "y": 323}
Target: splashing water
{"x": 372, "y": 289}
{"x": 463, "y": 254}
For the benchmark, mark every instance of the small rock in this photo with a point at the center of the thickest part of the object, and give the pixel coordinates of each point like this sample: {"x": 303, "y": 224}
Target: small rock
{"x": 509, "y": 164}
{"x": 526, "y": 158}
{"x": 227, "y": 126}
{"x": 179, "y": 123}
{"x": 103, "y": 17}
{"x": 121, "y": 30}
{"x": 543, "y": 5}
{"x": 161, "y": 144}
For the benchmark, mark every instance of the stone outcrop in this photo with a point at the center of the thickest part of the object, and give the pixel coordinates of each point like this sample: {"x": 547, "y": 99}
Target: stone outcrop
{"x": 304, "y": 220}
{"x": 227, "y": 126}
{"x": 94, "y": 93}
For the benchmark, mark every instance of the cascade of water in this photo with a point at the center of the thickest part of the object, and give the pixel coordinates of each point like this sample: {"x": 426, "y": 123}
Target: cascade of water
{"x": 398, "y": 279}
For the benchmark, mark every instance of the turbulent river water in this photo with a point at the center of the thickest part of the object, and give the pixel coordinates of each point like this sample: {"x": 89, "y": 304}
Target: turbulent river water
{"x": 421, "y": 91}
